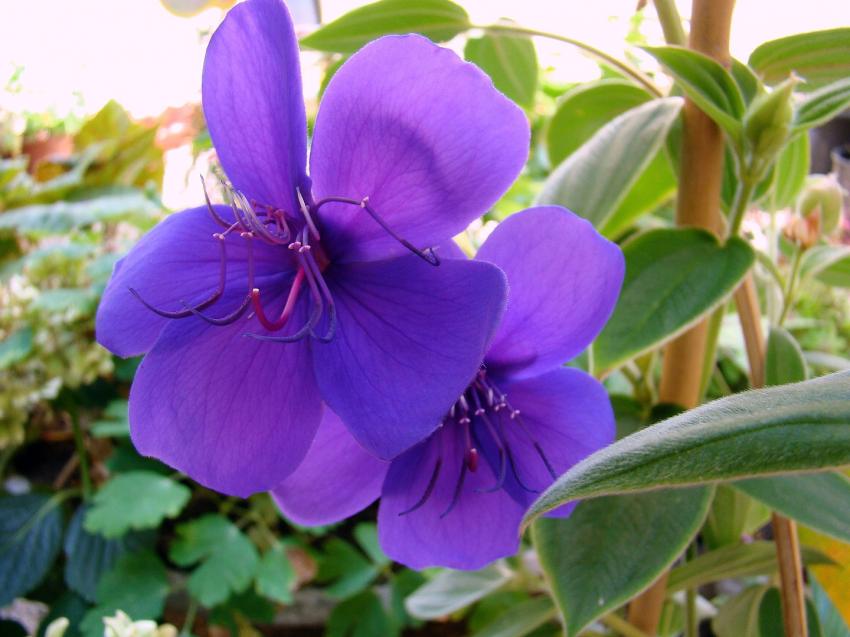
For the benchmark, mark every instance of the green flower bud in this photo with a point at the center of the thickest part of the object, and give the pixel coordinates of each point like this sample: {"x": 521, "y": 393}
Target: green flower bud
{"x": 822, "y": 196}
{"x": 767, "y": 121}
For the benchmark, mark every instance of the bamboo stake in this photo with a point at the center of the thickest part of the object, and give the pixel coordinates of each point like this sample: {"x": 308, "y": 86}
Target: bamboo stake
{"x": 698, "y": 205}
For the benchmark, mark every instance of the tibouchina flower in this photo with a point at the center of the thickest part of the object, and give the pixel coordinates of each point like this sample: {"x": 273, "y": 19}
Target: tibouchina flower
{"x": 410, "y": 144}
{"x": 457, "y": 498}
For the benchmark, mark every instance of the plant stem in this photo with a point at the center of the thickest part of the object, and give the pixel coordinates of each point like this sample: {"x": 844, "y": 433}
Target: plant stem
{"x": 671, "y": 22}
{"x": 698, "y": 204}
{"x": 82, "y": 454}
{"x": 189, "y": 619}
{"x": 743, "y": 194}
{"x": 615, "y": 622}
{"x": 791, "y": 289}
{"x": 625, "y": 67}
{"x": 790, "y": 576}
{"x": 691, "y": 615}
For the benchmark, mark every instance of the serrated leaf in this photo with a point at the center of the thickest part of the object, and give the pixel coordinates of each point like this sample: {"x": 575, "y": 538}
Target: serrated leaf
{"x": 135, "y": 500}
{"x": 819, "y": 500}
{"x": 228, "y": 559}
{"x": 822, "y": 105}
{"x": 707, "y": 83}
{"x": 521, "y": 619}
{"x": 439, "y": 20}
{"x": 276, "y": 576}
{"x": 590, "y": 557}
{"x": 137, "y": 585}
{"x": 30, "y": 539}
{"x": 800, "y": 427}
{"x": 584, "y": 110}
{"x": 674, "y": 276}
{"x": 819, "y": 57}
{"x": 734, "y": 561}
{"x": 594, "y": 179}
{"x": 345, "y": 568}
{"x": 89, "y": 556}
{"x": 450, "y": 591}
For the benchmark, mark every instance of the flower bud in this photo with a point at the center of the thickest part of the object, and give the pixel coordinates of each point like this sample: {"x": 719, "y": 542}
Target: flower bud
{"x": 822, "y": 196}
{"x": 767, "y": 121}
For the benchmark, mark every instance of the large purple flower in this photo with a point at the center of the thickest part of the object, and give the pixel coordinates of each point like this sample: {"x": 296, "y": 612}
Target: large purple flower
{"x": 305, "y": 290}
{"x": 457, "y": 498}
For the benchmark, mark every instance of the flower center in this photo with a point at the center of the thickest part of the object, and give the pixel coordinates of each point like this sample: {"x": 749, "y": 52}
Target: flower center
{"x": 253, "y": 221}
{"x": 483, "y": 409}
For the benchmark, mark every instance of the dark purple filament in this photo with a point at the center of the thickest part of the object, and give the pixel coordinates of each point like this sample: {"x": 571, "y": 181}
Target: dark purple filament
{"x": 256, "y": 221}
{"x": 483, "y": 409}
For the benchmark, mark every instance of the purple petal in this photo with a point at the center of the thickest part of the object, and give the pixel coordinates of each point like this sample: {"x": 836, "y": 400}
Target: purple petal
{"x": 234, "y": 413}
{"x": 567, "y": 413}
{"x": 253, "y": 102}
{"x": 179, "y": 260}
{"x": 420, "y": 132}
{"x": 337, "y": 479}
{"x": 480, "y": 528}
{"x": 409, "y": 339}
{"x": 564, "y": 279}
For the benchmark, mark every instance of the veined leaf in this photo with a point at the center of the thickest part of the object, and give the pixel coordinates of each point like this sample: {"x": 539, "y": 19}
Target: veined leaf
{"x": 819, "y": 57}
{"x": 823, "y": 104}
{"x": 594, "y": 179}
{"x": 452, "y": 590}
{"x": 521, "y": 619}
{"x": 590, "y": 558}
{"x": 709, "y": 85}
{"x": 673, "y": 277}
{"x": 800, "y": 427}
{"x": 784, "y": 360}
{"x": 510, "y": 61}
{"x": 439, "y": 20}
{"x": 790, "y": 172}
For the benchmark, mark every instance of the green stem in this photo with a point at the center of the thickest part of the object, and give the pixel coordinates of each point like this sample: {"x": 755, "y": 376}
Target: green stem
{"x": 671, "y": 22}
{"x": 625, "y": 67}
{"x": 615, "y": 622}
{"x": 791, "y": 290}
{"x": 189, "y": 620}
{"x": 743, "y": 195}
{"x": 709, "y": 363}
{"x": 82, "y": 455}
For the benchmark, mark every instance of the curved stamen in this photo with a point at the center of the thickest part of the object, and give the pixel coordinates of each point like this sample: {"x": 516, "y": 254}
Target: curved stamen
{"x": 200, "y": 306}
{"x": 428, "y": 254}
{"x": 234, "y": 316}
{"x": 216, "y": 217}
{"x": 308, "y": 218}
{"x": 255, "y": 224}
{"x": 457, "y": 491}
{"x": 518, "y": 419}
{"x": 429, "y": 489}
{"x": 288, "y": 307}
{"x": 503, "y": 464}
{"x": 327, "y": 297}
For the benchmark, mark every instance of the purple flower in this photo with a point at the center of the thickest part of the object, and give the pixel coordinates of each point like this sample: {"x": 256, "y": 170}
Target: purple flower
{"x": 457, "y": 498}
{"x": 410, "y": 144}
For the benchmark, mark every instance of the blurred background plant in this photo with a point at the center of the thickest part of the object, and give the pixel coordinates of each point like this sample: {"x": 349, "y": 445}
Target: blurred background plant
{"x": 89, "y": 528}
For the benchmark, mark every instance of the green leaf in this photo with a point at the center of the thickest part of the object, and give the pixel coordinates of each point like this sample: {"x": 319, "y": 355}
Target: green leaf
{"x": 135, "y": 500}
{"x": 818, "y": 500}
{"x": 276, "y": 576}
{"x": 15, "y": 347}
{"x": 137, "y": 585}
{"x": 360, "y": 616}
{"x": 521, "y": 619}
{"x": 770, "y": 619}
{"x": 30, "y": 539}
{"x": 89, "y": 556}
{"x": 584, "y": 110}
{"x": 784, "y": 361}
{"x": 819, "y": 258}
{"x": 800, "y": 427}
{"x": 590, "y": 558}
{"x": 510, "y": 61}
{"x": 747, "y": 81}
{"x": 831, "y": 621}
{"x": 707, "y": 83}
{"x": 673, "y": 277}
{"x": 732, "y": 515}
{"x": 64, "y": 216}
{"x": 450, "y": 591}
{"x": 822, "y": 105}
{"x": 734, "y": 561}
{"x": 346, "y": 568}
{"x": 819, "y": 57}
{"x": 366, "y": 534}
{"x": 114, "y": 422}
{"x": 228, "y": 559}
{"x": 739, "y": 616}
{"x": 593, "y": 180}
{"x": 439, "y": 20}
{"x": 790, "y": 172}
{"x": 836, "y": 274}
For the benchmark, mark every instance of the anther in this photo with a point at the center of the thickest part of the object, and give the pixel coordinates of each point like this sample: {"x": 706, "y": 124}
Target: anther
{"x": 472, "y": 459}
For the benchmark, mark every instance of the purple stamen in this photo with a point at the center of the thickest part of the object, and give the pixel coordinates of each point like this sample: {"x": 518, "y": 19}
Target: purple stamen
{"x": 457, "y": 491}
{"x": 432, "y": 481}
